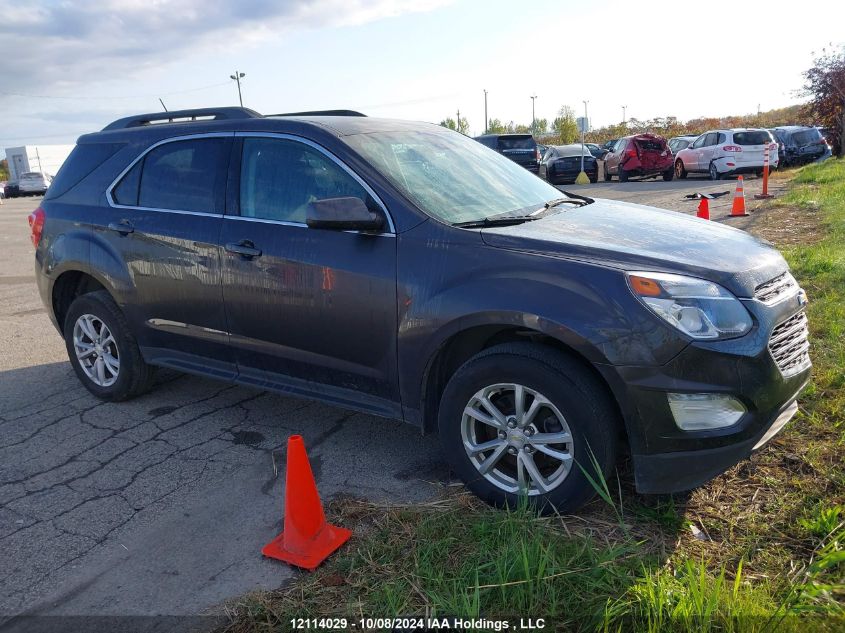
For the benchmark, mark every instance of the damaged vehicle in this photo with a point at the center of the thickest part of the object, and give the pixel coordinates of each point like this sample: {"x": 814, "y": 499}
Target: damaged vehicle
{"x": 643, "y": 155}
{"x": 403, "y": 270}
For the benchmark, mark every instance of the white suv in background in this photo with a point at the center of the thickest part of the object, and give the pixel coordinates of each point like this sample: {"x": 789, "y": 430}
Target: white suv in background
{"x": 726, "y": 153}
{"x": 34, "y": 183}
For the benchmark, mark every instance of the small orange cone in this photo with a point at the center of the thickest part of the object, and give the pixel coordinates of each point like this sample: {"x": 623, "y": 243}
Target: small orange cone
{"x": 738, "y": 208}
{"x": 704, "y": 209}
{"x": 307, "y": 539}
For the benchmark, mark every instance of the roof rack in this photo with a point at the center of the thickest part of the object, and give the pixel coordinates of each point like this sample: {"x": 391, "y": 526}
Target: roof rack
{"x": 321, "y": 113}
{"x": 183, "y": 116}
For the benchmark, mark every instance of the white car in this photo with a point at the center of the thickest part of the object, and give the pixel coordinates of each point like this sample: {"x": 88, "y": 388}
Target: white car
{"x": 723, "y": 153}
{"x": 34, "y": 183}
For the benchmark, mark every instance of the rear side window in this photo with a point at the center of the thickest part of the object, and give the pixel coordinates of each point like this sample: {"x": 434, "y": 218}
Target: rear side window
{"x": 279, "y": 178}
{"x": 185, "y": 175}
{"x": 753, "y": 137}
{"x": 82, "y": 161}
{"x": 516, "y": 142}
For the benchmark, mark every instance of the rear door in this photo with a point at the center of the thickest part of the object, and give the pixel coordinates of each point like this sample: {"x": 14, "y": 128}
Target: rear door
{"x": 707, "y": 151}
{"x": 163, "y": 223}
{"x": 311, "y": 311}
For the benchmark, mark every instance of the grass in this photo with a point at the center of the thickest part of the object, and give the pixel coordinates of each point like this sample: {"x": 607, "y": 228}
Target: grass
{"x": 761, "y": 548}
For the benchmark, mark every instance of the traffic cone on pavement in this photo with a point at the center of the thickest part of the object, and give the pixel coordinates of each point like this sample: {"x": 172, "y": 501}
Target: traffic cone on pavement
{"x": 738, "y": 208}
{"x": 307, "y": 540}
{"x": 704, "y": 209}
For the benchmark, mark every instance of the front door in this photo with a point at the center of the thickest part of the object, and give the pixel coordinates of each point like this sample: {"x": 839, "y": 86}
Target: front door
{"x": 310, "y": 311}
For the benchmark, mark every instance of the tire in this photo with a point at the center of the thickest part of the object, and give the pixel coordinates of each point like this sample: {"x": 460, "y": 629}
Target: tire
{"x": 714, "y": 173}
{"x": 623, "y": 175}
{"x": 573, "y": 400}
{"x": 594, "y": 180}
{"x": 668, "y": 175}
{"x": 607, "y": 176}
{"x": 86, "y": 319}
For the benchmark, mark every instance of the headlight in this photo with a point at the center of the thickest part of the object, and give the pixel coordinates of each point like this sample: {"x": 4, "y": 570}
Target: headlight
{"x": 698, "y": 308}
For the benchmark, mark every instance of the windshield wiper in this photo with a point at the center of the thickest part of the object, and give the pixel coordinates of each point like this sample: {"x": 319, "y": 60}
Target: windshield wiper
{"x": 487, "y": 222}
{"x": 558, "y": 201}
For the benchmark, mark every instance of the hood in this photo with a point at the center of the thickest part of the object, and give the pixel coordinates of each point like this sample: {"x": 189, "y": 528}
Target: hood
{"x": 636, "y": 237}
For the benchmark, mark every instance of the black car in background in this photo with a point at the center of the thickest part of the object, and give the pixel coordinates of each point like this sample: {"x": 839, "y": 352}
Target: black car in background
{"x": 520, "y": 148}
{"x": 596, "y": 150}
{"x": 403, "y": 270}
{"x": 561, "y": 164}
{"x": 798, "y": 145}
{"x": 12, "y": 189}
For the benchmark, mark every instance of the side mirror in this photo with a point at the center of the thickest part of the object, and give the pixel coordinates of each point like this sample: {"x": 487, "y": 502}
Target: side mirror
{"x": 342, "y": 214}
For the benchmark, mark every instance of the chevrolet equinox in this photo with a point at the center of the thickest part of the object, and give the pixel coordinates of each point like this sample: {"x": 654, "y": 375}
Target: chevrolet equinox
{"x": 406, "y": 271}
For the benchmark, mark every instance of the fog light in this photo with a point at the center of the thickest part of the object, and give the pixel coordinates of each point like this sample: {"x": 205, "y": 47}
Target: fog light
{"x": 702, "y": 411}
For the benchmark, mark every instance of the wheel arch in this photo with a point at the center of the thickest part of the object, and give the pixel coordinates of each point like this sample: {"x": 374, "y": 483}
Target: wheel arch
{"x": 69, "y": 285}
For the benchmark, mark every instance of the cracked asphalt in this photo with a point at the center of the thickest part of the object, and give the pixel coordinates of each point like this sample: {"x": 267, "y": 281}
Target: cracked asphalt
{"x": 159, "y": 505}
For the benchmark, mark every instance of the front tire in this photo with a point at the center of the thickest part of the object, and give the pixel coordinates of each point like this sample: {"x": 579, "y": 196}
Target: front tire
{"x": 522, "y": 420}
{"x": 623, "y": 175}
{"x": 668, "y": 175}
{"x": 102, "y": 349}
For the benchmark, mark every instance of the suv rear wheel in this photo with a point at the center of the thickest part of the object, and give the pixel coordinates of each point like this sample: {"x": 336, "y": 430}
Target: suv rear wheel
{"x": 623, "y": 175}
{"x": 680, "y": 170}
{"x": 714, "y": 173}
{"x": 521, "y": 420}
{"x": 102, "y": 350}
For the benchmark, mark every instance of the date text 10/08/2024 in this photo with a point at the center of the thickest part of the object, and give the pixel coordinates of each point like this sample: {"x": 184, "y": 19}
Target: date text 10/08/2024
{"x": 417, "y": 624}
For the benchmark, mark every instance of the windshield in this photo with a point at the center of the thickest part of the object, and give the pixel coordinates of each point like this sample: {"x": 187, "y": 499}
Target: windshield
{"x": 452, "y": 177}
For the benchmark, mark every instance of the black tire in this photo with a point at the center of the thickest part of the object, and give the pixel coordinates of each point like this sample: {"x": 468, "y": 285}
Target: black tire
{"x": 594, "y": 180}
{"x": 134, "y": 376}
{"x": 668, "y": 175}
{"x": 680, "y": 170}
{"x": 714, "y": 173}
{"x": 607, "y": 176}
{"x": 623, "y": 175}
{"x": 578, "y": 395}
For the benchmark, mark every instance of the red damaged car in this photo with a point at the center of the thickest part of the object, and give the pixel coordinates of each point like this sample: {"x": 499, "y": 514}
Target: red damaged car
{"x": 645, "y": 155}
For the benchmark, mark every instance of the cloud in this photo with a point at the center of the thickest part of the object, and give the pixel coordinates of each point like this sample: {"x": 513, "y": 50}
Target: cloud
{"x": 63, "y": 44}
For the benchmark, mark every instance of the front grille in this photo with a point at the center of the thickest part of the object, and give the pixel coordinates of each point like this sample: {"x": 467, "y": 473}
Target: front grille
{"x": 789, "y": 346}
{"x": 776, "y": 289}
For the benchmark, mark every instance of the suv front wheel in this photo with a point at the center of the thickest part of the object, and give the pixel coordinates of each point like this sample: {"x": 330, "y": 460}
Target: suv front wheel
{"x": 102, "y": 350}
{"x": 519, "y": 420}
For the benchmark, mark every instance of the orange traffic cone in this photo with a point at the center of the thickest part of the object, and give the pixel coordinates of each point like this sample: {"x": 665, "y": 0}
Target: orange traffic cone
{"x": 738, "y": 208}
{"x": 307, "y": 539}
{"x": 704, "y": 209}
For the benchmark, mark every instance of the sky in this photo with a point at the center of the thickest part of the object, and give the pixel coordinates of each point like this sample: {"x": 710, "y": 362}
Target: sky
{"x": 71, "y": 67}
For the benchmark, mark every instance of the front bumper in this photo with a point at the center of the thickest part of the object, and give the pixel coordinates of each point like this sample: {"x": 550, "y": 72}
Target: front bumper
{"x": 668, "y": 459}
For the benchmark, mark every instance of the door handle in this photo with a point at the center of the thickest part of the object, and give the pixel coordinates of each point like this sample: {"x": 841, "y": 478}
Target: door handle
{"x": 244, "y": 248}
{"x": 124, "y": 227}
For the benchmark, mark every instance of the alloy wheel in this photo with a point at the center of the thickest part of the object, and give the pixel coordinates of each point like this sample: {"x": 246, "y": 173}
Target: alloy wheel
{"x": 96, "y": 350}
{"x": 517, "y": 439}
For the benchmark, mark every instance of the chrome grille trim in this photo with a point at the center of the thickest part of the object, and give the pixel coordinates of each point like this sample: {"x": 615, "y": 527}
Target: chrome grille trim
{"x": 776, "y": 289}
{"x": 789, "y": 345}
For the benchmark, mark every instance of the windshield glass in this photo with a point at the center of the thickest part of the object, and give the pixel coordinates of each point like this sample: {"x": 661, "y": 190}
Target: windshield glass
{"x": 452, "y": 177}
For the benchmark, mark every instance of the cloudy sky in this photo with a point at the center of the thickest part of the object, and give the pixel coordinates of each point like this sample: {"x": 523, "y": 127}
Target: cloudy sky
{"x": 71, "y": 67}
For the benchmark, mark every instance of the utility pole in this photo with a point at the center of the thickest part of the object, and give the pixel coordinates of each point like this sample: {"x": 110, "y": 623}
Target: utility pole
{"x": 237, "y": 77}
{"x": 486, "y": 121}
{"x": 623, "y": 114}
{"x": 533, "y": 118}
{"x": 458, "y": 122}
{"x": 583, "y": 132}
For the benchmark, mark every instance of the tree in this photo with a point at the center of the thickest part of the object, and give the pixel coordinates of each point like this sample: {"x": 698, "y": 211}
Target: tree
{"x": 824, "y": 83}
{"x": 495, "y": 126}
{"x": 4, "y": 170}
{"x": 565, "y": 126}
{"x": 463, "y": 127}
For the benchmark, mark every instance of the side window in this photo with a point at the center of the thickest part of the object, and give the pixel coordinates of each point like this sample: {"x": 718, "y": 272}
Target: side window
{"x": 711, "y": 139}
{"x": 699, "y": 141}
{"x": 280, "y": 177}
{"x": 620, "y": 146}
{"x": 722, "y": 138}
{"x": 126, "y": 191}
{"x": 185, "y": 175}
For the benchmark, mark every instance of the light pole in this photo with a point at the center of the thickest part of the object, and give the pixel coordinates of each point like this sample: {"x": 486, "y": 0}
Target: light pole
{"x": 486, "y": 122}
{"x": 237, "y": 77}
{"x": 583, "y": 131}
{"x": 533, "y": 118}
{"x": 623, "y": 114}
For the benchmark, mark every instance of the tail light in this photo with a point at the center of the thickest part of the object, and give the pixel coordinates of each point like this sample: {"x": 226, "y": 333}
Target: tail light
{"x": 36, "y": 225}
{"x": 631, "y": 152}
{"x": 732, "y": 148}
{"x": 537, "y": 153}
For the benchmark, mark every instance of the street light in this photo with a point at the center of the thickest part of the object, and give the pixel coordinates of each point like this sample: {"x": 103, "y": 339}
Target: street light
{"x": 486, "y": 122}
{"x": 623, "y": 114}
{"x": 237, "y": 77}
{"x": 533, "y": 118}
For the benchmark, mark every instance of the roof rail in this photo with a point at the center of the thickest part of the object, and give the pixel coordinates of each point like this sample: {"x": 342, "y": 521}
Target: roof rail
{"x": 182, "y": 116}
{"x": 321, "y": 113}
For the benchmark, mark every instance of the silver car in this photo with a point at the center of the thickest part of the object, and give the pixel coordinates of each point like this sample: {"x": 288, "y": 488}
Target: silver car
{"x": 34, "y": 183}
